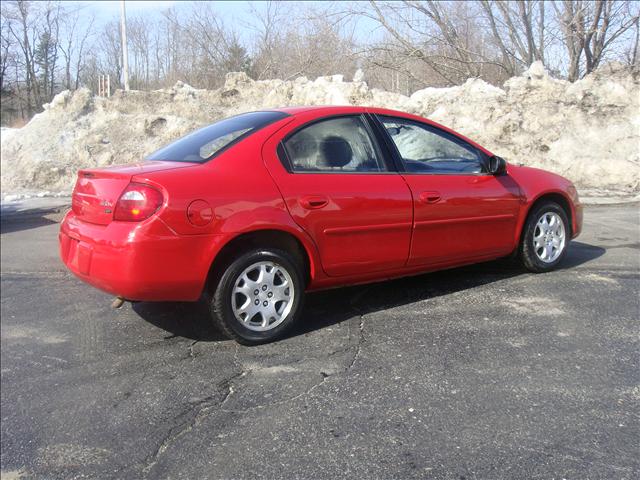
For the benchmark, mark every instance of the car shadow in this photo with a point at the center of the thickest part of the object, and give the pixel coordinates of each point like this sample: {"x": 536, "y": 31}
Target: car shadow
{"x": 180, "y": 319}
{"x": 580, "y": 253}
{"x": 326, "y": 308}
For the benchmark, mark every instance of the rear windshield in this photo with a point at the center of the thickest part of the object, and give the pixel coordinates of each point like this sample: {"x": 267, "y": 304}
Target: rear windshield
{"x": 204, "y": 144}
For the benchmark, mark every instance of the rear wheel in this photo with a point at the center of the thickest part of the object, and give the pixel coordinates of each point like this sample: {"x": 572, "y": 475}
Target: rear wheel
{"x": 545, "y": 237}
{"x": 259, "y": 296}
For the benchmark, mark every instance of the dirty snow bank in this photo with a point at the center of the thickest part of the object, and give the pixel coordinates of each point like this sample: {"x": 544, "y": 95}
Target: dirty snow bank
{"x": 588, "y": 131}
{"x": 7, "y": 132}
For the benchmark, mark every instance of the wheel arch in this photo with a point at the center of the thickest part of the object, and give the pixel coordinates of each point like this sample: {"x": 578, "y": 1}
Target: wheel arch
{"x": 553, "y": 196}
{"x": 279, "y": 238}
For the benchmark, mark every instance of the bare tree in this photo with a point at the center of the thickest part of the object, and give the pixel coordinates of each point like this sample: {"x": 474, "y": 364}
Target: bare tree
{"x": 267, "y": 24}
{"x": 211, "y": 43}
{"x": 72, "y": 46}
{"x": 631, "y": 54}
{"x": 6, "y": 51}
{"x": 447, "y": 37}
{"x": 46, "y": 50}
{"x": 294, "y": 41}
{"x": 401, "y": 45}
{"x": 109, "y": 43}
{"x": 81, "y": 52}
{"x": 23, "y": 32}
{"x": 31, "y": 39}
{"x": 591, "y": 28}
{"x": 518, "y": 30}
{"x": 139, "y": 34}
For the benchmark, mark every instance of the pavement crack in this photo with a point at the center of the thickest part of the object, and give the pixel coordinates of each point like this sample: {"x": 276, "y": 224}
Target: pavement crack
{"x": 226, "y": 397}
{"x": 228, "y": 384}
{"x": 175, "y": 433}
{"x": 307, "y": 392}
{"x": 191, "y": 417}
{"x": 192, "y": 354}
{"x": 236, "y": 352}
{"x": 358, "y": 348}
{"x": 323, "y": 375}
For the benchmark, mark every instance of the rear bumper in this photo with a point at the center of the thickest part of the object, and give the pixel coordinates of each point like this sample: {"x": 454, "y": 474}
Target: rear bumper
{"x": 138, "y": 261}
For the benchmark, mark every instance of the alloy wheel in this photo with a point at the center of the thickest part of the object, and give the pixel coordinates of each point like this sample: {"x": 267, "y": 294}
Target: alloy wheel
{"x": 549, "y": 237}
{"x": 263, "y": 296}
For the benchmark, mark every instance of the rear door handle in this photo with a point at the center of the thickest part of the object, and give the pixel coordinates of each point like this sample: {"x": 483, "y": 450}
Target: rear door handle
{"x": 314, "y": 202}
{"x": 429, "y": 197}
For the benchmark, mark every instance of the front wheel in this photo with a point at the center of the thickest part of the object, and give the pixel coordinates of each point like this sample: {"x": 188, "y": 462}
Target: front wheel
{"x": 259, "y": 296}
{"x": 545, "y": 237}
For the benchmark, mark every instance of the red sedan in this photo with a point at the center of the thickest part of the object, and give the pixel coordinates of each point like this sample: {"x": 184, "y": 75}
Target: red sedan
{"x": 256, "y": 209}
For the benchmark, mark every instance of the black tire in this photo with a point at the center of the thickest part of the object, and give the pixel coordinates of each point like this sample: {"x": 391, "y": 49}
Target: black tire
{"x": 528, "y": 255}
{"x": 221, "y": 299}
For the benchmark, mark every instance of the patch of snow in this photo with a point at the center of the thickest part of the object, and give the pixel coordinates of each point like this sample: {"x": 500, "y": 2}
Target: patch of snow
{"x": 587, "y": 131}
{"x": 6, "y": 133}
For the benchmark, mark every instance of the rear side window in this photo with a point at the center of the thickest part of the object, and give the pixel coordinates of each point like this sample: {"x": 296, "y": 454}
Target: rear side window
{"x": 204, "y": 144}
{"x": 335, "y": 145}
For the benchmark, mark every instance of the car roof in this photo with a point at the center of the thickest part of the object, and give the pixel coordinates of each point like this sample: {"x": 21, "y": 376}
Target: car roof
{"x": 329, "y": 109}
{"x": 342, "y": 109}
{"x": 317, "y": 108}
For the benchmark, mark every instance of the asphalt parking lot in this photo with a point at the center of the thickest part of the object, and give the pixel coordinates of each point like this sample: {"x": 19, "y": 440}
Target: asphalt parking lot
{"x": 481, "y": 372}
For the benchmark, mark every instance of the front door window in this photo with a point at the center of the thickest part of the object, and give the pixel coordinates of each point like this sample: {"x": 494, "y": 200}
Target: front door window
{"x": 430, "y": 151}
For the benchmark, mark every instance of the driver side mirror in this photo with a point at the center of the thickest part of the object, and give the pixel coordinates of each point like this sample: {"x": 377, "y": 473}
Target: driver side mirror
{"x": 497, "y": 165}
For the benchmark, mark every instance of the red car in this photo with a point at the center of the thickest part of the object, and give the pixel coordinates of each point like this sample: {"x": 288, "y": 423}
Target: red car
{"x": 257, "y": 209}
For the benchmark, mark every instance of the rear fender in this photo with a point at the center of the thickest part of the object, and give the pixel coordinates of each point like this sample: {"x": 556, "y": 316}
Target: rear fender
{"x": 270, "y": 218}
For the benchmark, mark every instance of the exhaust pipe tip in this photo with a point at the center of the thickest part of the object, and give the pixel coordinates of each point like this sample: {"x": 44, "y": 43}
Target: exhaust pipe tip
{"x": 117, "y": 302}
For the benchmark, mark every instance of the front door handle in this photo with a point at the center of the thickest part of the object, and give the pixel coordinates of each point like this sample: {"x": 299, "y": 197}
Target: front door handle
{"x": 429, "y": 197}
{"x": 314, "y": 202}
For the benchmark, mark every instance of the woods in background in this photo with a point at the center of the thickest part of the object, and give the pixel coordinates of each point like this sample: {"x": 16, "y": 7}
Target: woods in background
{"x": 400, "y": 46}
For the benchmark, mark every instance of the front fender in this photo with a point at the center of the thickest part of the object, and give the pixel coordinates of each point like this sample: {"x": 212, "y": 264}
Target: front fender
{"x": 536, "y": 184}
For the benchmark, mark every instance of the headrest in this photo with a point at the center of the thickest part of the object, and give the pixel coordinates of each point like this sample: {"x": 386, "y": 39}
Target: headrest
{"x": 336, "y": 151}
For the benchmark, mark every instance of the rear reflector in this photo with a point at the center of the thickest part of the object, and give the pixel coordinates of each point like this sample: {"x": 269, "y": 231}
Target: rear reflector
{"x": 137, "y": 202}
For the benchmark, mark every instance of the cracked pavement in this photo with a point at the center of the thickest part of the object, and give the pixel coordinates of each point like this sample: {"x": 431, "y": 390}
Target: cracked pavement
{"x": 479, "y": 372}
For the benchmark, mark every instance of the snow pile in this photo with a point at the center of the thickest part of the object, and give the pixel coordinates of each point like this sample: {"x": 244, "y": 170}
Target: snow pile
{"x": 588, "y": 131}
{"x": 6, "y": 132}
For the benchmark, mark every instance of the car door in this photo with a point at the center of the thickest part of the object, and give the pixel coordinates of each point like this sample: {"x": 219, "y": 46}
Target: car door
{"x": 338, "y": 188}
{"x": 461, "y": 212}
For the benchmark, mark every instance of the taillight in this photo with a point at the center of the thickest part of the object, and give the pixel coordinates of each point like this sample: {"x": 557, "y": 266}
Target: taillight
{"x": 137, "y": 202}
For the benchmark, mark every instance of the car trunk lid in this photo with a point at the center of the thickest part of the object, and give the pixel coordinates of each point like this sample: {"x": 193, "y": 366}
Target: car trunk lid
{"x": 97, "y": 190}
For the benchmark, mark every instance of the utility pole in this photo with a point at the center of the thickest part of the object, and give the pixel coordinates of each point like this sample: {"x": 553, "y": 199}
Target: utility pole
{"x": 125, "y": 58}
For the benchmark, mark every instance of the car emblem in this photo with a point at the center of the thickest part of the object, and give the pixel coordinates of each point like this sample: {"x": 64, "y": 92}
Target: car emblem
{"x": 108, "y": 204}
